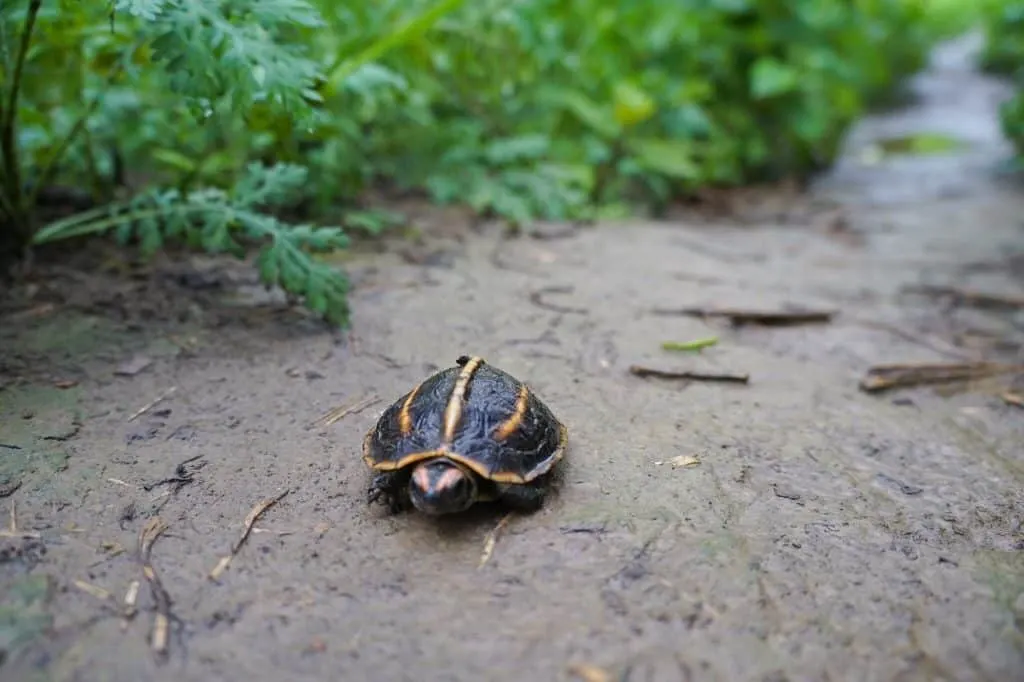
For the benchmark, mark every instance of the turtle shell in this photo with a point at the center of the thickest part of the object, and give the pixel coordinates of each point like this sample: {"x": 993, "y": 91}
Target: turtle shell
{"x": 474, "y": 414}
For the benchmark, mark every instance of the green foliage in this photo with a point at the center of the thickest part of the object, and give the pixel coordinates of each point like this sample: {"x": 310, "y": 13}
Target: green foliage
{"x": 1003, "y": 53}
{"x": 219, "y": 222}
{"x": 524, "y": 109}
{"x": 194, "y": 120}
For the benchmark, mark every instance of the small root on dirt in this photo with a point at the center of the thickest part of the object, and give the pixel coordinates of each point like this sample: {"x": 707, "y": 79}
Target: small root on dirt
{"x": 686, "y": 375}
{"x": 152, "y": 403}
{"x": 93, "y": 590}
{"x": 8, "y": 489}
{"x": 12, "y": 532}
{"x": 181, "y": 477}
{"x": 250, "y": 520}
{"x": 159, "y": 639}
{"x": 537, "y": 299}
{"x": 787, "y": 317}
{"x": 339, "y": 413}
{"x": 885, "y": 377}
{"x": 492, "y": 540}
{"x": 964, "y": 297}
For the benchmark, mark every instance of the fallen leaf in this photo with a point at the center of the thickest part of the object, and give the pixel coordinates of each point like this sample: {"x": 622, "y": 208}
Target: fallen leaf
{"x": 589, "y": 673}
{"x": 682, "y": 461}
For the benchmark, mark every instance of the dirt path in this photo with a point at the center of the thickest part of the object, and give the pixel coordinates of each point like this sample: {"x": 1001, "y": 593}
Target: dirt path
{"x": 819, "y": 533}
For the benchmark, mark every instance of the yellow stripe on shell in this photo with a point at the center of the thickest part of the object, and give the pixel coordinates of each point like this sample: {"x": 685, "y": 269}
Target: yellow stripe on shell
{"x": 456, "y": 402}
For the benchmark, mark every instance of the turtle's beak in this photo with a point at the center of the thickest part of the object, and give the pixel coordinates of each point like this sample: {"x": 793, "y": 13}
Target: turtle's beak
{"x": 440, "y": 487}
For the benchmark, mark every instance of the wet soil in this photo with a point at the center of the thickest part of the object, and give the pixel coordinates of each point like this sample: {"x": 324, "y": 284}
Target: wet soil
{"x": 791, "y": 528}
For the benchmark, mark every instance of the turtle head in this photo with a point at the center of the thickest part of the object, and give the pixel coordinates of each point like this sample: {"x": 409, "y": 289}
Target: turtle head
{"x": 440, "y": 486}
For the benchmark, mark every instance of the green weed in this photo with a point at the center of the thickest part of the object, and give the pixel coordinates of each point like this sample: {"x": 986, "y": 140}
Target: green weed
{"x": 208, "y": 122}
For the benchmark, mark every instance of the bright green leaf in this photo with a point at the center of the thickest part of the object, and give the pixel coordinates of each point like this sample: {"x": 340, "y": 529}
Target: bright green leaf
{"x": 632, "y": 105}
{"x": 673, "y": 158}
{"x": 770, "y": 78}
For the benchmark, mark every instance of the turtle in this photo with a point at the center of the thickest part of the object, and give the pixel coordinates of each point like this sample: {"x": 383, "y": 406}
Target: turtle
{"x": 468, "y": 433}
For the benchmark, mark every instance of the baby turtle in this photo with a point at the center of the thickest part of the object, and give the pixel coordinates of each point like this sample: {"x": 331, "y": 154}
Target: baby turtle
{"x": 469, "y": 433}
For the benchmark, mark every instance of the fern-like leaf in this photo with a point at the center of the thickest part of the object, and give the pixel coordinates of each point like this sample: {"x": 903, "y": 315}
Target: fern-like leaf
{"x": 248, "y": 52}
{"x": 144, "y": 9}
{"x": 226, "y": 222}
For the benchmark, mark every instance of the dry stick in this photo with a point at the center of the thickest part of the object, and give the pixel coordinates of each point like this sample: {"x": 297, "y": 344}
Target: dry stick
{"x": 912, "y": 338}
{"x": 340, "y": 413}
{"x": 153, "y": 403}
{"x": 162, "y": 600}
{"x": 884, "y": 377}
{"x": 978, "y": 299}
{"x": 645, "y": 372}
{"x": 12, "y": 531}
{"x": 131, "y": 597}
{"x": 767, "y": 318}
{"x": 92, "y": 590}
{"x": 492, "y": 540}
{"x": 1011, "y": 398}
{"x": 250, "y": 520}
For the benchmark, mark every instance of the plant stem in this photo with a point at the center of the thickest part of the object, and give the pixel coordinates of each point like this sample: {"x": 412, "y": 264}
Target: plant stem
{"x": 13, "y": 188}
{"x": 85, "y": 223}
{"x": 51, "y": 163}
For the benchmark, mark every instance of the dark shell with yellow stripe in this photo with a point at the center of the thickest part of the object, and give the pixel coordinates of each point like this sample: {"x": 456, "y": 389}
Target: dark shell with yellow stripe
{"x": 476, "y": 416}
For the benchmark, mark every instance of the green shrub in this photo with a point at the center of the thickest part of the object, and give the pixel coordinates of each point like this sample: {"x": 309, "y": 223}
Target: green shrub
{"x": 1003, "y": 54}
{"x": 208, "y": 121}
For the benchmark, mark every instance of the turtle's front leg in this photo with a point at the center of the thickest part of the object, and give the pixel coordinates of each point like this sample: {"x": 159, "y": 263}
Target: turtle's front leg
{"x": 525, "y": 498}
{"x": 388, "y": 488}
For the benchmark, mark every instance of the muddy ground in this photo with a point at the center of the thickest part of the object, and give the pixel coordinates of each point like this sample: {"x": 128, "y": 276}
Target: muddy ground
{"x": 794, "y": 528}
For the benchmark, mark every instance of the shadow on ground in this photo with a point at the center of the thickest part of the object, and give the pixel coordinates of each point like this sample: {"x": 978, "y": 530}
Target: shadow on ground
{"x": 814, "y": 532}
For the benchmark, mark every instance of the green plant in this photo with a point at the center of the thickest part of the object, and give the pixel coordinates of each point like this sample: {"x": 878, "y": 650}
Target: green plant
{"x": 168, "y": 113}
{"x": 199, "y": 87}
{"x": 1003, "y": 53}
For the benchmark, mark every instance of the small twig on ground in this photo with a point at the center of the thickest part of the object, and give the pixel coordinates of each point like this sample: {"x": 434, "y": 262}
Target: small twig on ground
{"x": 162, "y": 600}
{"x": 766, "y": 318}
{"x": 948, "y": 351}
{"x": 977, "y": 299}
{"x": 1011, "y": 398}
{"x": 645, "y": 372}
{"x": 537, "y": 298}
{"x": 250, "y": 520}
{"x": 339, "y": 413}
{"x": 93, "y": 590}
{"x": 131, "y": 598}
{"x": 884, "y": 377}
{"x": 492, "y": 540}
{"x": 12, "y": 531}
{"x": 698, "y": 344}
{"x": 181, "y": 477}
{"x": 153, "y": 403}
